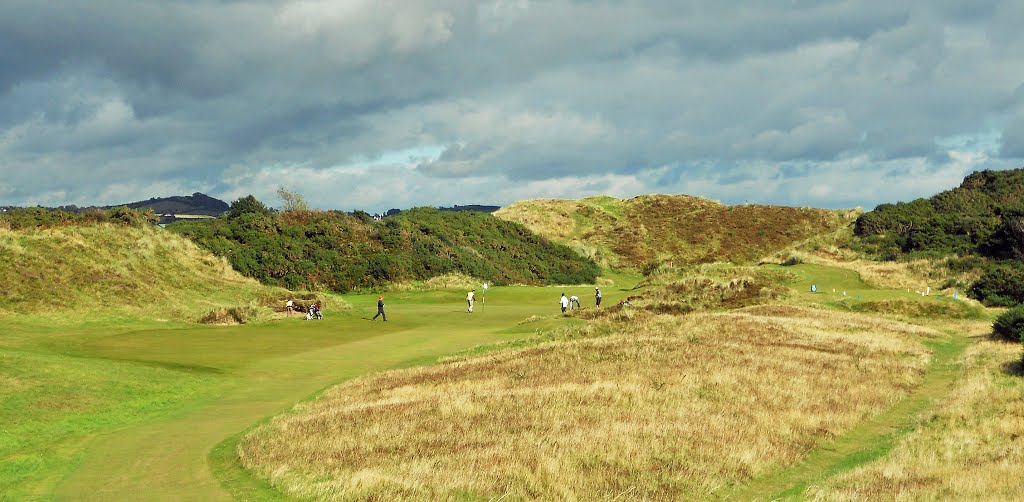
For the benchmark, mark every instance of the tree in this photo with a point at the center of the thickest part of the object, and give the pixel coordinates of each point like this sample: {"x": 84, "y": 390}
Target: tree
{"x": 291, "y": 201}
{"x": 247, "y": 205}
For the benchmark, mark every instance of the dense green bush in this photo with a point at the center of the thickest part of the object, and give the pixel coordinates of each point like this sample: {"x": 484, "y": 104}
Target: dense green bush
{"x": 341, "y": 252}
{"x": 1010, "y": 325}
{"x": 1002, "y": 285}
{"x": 980, "y": 223}
{"x": 37, "y": 217}
{"x": 978, "y": 216}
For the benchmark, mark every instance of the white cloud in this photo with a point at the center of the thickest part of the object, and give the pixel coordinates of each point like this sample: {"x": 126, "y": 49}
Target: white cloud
{"x": 837, "y": 103}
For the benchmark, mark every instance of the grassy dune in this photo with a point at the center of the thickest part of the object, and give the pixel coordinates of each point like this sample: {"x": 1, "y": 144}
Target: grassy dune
{"x": 678, "y": 228}
{"x": 661, "y": 407}
{"x": 109, "y": 270}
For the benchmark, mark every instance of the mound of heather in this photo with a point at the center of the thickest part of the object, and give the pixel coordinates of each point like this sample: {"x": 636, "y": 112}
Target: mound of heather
{"x": 652, "y": 229}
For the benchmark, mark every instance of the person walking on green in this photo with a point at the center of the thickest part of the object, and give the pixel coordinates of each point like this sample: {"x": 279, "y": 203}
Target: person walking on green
{"x": 470, "y": 299}
{"x": 597, "y": 296}
{"x": 564, "y": 302}
{"x": 380, "y": 309}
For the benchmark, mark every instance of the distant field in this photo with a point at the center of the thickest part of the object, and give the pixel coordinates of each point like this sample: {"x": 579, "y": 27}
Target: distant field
{"x": 671, "y": 228}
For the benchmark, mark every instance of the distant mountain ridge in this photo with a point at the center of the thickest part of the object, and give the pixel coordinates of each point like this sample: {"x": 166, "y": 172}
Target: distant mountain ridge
{"x": 196, "y": 204}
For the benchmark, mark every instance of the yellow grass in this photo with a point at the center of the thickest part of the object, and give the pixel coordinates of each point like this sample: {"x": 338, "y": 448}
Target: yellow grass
{"x": 111, "y": 268}
{"x": 969, "y": 447}
{"x": 677, "y": 229}
{"x": 667, "y": 407}
{"x": 447, "y": 281}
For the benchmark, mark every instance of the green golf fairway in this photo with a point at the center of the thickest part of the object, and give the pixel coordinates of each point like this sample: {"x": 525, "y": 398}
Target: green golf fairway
{"x": 130, "y": 410}
{"x": 100, "y": 408}
{"x": 832, "y": 282}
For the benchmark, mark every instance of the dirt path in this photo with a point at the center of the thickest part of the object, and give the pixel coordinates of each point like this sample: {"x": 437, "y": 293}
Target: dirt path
{"x": 867, "y": 441}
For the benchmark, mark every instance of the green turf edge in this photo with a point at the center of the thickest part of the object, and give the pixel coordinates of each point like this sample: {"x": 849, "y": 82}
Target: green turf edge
{"x": 242, "y": 484}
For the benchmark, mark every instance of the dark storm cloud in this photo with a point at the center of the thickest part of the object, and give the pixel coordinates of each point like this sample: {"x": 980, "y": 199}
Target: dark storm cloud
{"x": 126, "y": 99}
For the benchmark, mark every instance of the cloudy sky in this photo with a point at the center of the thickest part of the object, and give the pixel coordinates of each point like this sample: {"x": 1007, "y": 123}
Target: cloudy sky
{"x": 374, "y": 104}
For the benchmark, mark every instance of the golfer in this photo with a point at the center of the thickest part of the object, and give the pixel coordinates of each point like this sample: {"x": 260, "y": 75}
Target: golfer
{"x": 380, "y": 309}
{"x": 574, "y": 302}
{"x": 597, "y": 296}
{"x": 564, "y": 302}
{"x": 470, "y": 299}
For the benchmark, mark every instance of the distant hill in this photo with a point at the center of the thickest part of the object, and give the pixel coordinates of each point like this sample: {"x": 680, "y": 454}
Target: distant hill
{"x": 469, "y": 207}
{"x": 195, "y": 204}
{"x": 651, "y": 229}
{"x": 341, "y": 251}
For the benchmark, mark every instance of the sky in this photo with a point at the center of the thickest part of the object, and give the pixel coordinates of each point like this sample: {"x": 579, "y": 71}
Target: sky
{"x": 378, "y": 104}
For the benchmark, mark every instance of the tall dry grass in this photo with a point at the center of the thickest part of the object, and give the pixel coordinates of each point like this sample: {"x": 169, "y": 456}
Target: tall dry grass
{"x": 703, "y": 287}
{"x": 104, "y": 268}
{"x": 446, "y": 281}
{"x": 969, "y": 447}
{"x": 666, "y": 408}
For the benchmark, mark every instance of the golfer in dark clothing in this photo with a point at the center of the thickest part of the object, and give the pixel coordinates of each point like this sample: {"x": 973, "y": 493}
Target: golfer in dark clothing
{"x": 380, "y": 309}
{"x": 597, "y": 296}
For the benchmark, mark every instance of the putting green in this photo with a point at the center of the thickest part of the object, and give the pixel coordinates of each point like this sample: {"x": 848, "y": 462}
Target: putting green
{"x": 219, "y": 381}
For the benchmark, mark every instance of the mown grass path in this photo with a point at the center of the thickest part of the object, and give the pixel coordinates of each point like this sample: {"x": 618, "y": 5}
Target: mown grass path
{"x": 867, "y": 441}
{"x": 167, "y": 458}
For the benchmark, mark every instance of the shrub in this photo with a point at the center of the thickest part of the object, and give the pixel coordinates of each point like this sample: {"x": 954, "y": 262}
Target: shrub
{"x": 1010, "y": 325}
{"x": 132, "y": 217}
{"x": 38, "y": 217}
{"x": 965, "y": 264}
{"x": 952, "y": 283}
{"x": 792, "y": 260}
{"x": 1000, "y": 286}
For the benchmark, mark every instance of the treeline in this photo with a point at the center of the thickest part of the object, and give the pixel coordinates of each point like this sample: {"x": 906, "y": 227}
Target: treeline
{"x": 38, "y": 217}
{"x": 981, "y": 222}
{"x": 342, "y": 252}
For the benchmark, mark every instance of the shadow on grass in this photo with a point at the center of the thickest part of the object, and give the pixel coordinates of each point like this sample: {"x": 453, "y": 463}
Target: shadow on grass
{"x": 1015, "y": 368}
